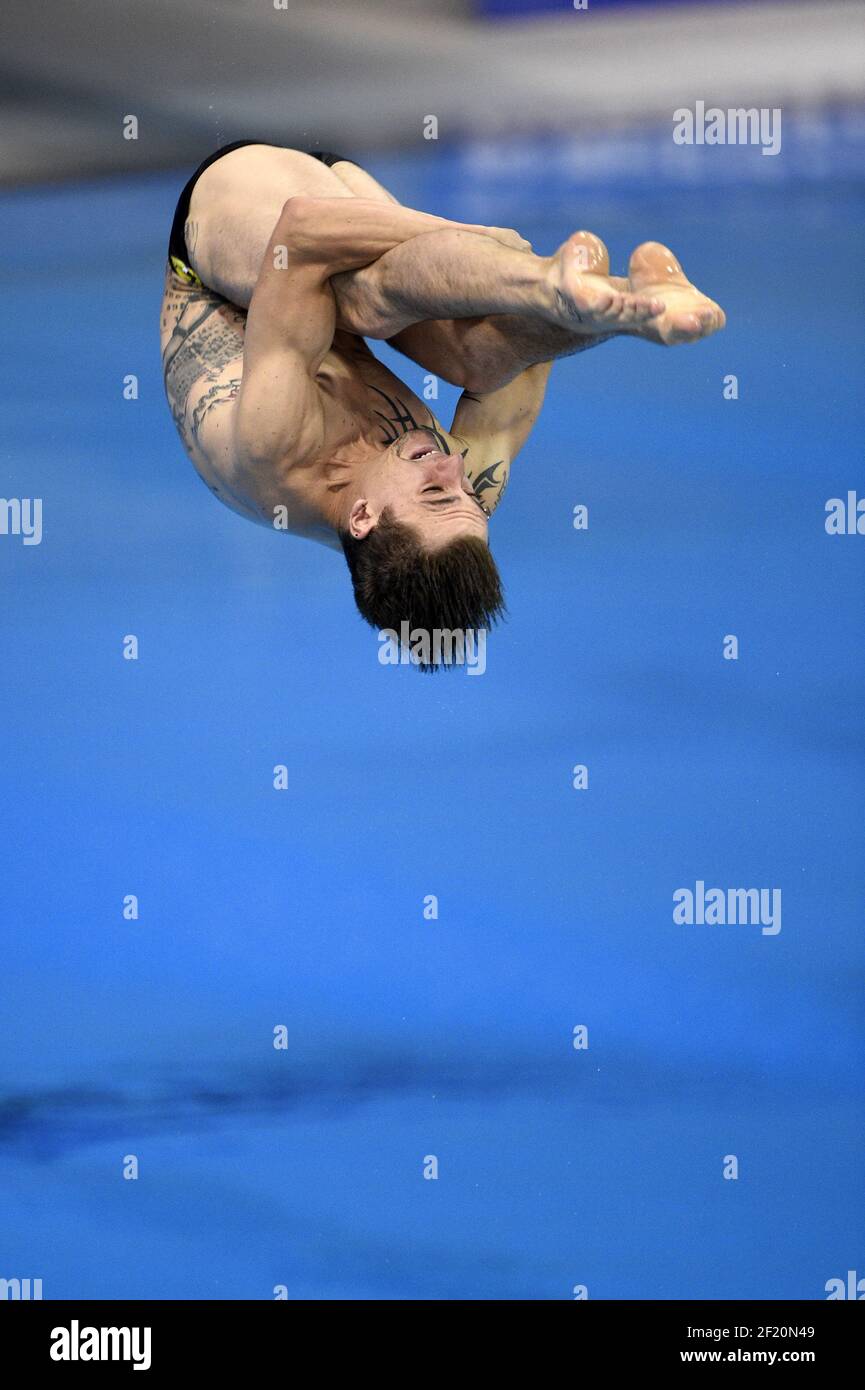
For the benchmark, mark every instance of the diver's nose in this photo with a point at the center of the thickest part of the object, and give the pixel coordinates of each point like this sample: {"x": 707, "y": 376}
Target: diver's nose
{"x": 449, "y": 468}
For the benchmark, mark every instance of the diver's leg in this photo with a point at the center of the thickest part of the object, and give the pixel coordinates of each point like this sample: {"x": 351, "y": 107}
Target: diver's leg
{"x": 483, "y": 354}
{"x": 479, "y": 354}
{"x": 235, "y": 206}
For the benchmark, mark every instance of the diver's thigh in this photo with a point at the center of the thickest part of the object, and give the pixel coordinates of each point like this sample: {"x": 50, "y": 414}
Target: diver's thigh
{"x": 234, "y": 208}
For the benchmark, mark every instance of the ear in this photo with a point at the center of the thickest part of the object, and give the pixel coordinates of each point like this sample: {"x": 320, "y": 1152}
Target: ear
{"x": 361, "y": 520}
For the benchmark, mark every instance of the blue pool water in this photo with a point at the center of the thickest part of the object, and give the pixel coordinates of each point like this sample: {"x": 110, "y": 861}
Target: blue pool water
{"x": 408, "y": 1037}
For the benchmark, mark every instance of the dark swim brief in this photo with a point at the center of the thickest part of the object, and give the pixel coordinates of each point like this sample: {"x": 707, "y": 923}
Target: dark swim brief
{"x": 178, "y": 253}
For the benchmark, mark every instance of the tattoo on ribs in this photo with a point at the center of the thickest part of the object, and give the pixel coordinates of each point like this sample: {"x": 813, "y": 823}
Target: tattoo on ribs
{"x": 203, "y": 342}
{"x": 217, "y": 395}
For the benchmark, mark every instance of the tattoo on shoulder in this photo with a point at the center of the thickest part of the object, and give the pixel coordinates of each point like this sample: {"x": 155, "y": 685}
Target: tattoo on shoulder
{"x": 400, "y": 419}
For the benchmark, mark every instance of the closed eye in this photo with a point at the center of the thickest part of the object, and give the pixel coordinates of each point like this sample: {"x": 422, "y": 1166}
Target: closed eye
{"x": 447, "y": 501}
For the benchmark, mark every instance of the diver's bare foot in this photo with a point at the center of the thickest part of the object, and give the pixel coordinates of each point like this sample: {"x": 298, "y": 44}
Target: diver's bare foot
{"x": 583, "y": 298}
{"x": 687, "y": 315}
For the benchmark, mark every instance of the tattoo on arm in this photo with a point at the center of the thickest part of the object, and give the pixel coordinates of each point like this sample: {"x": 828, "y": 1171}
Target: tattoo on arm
{"x": 487, "y": 481}
{"x": 487, "y": 478}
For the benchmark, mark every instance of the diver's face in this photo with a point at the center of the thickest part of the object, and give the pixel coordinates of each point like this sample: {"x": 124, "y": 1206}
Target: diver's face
{"x": 425, "y": 486}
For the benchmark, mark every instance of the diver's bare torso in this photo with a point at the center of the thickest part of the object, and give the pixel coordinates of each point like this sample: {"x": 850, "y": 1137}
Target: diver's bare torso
{"x": 364, "y": 405}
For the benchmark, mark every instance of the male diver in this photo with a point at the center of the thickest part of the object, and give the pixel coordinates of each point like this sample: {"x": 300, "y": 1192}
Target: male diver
{"x": 281, "y": 264}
